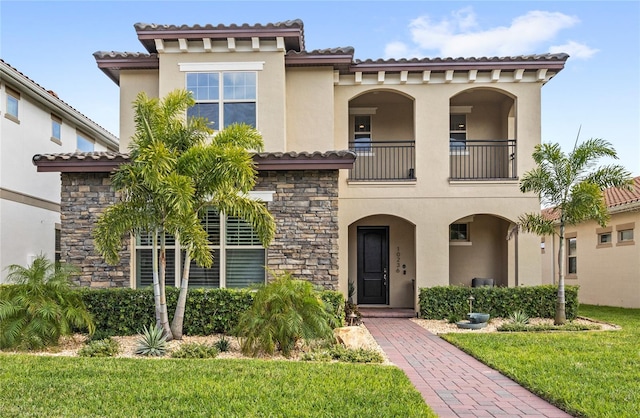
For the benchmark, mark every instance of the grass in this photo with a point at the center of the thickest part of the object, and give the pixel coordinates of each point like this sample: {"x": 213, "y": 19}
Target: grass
{"x": 591, "y": 374}
{"x": 92, "y": 387}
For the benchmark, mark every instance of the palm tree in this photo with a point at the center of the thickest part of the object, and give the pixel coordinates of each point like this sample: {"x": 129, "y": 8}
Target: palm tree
{"x": 573, "y": 187}
{"x": 177, "y": 171}
{"x": 41, "y": 306}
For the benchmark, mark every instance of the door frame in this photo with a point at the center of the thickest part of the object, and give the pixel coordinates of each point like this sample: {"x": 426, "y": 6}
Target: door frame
{"x": 359, "y": 254}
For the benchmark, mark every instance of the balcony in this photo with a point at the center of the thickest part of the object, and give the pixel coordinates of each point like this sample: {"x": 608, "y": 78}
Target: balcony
{"x": 383, "y": 161}
{"x": 483, "y": 160}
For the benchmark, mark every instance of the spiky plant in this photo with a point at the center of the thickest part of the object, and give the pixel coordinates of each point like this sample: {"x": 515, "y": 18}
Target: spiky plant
{"x": 223, "y": 344}
{"x": 283, "y": 313}
{"x": 41, "y": 306}
{"x": 519, "y": 317}
{"x": 152, "y": 342}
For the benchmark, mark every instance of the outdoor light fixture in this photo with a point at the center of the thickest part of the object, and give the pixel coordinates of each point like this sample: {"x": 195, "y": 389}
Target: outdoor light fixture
{"x": 471, "y": 299}
{"x": 352, "y": 318}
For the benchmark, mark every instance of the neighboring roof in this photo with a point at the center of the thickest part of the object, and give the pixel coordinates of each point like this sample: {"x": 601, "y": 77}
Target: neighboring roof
{"x": 616, "y": 197}
{"x": 100, "y": 162}
{"x": 617, "y": 200}
{"x": 50, "y": 100}
{"x": 292, "y": 33}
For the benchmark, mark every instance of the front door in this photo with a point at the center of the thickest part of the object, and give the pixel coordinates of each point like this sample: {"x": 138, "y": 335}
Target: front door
{"x": 373, "y": 265}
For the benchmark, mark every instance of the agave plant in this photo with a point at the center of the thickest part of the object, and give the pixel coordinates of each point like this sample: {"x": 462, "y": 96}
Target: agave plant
{"x": 153, "y": 342}
{"x": 41, "y": 306}
{"x": 519, "y": 317}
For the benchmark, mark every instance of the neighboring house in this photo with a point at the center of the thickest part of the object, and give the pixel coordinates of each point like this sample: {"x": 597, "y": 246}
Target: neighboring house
{"x": 35, "y": 120}
{"x": 604, "y": 262}
{"x": 440, "y": 145}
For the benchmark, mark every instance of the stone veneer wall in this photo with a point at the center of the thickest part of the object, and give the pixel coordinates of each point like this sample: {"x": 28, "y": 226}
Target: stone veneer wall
{"x": 84, "y": 197}
{"x": 305, "y": 206}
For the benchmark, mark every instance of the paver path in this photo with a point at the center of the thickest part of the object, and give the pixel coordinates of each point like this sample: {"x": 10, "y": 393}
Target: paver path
{"x": 453, "y": 383}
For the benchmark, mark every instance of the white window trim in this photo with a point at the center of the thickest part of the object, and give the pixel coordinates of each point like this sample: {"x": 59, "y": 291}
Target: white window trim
{"x": 195, "y": 67}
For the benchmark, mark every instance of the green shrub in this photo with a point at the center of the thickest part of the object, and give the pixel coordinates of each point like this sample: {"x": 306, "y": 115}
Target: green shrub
{"x": 195, "y": 350}
{"x": 283, "y": 313}
{"x": 440, "y": 302}
{"x": 41, "y": 306}
{"x": 107, "y": 347}
{"x": 453, "y": 318}
{"x": 208, "y": 311}
{"x": 334, "y": 304}
{"x": 514, "y": 327}
{"x": 343, "y": 354}
{"x": 223, "y": 344}
{"x": 153, "y": 342}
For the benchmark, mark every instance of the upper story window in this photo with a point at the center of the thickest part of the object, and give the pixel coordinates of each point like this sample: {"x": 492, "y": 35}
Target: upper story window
{"x": 362, "y": 132}
{"x": 56, "y": 129}
{"x": 13, "y": 100}
{"x": 457, "y": 132}
{"x": 84, "y": 144}
{"x": 224, "y": 98}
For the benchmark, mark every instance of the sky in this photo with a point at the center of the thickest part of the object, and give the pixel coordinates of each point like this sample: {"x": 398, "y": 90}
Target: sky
{"x": 596, "y": 95}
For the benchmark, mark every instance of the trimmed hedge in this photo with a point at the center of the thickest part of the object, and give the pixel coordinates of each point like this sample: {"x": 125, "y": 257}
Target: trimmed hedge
{"x": 208, "y": 311}
{"x": 441, "y": 302}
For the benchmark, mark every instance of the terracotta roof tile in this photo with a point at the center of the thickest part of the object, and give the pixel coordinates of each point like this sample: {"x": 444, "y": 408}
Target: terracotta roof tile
{"x": 613, "y": 198}
{"x": 616, "y": 197}
{"x": 106, "y": 161}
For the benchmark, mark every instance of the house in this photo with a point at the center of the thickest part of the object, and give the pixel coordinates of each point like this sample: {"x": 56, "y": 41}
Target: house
{"x": 390, "y": 174}
{"x": 604, "y": 262}
{"x": 35, "y": 120}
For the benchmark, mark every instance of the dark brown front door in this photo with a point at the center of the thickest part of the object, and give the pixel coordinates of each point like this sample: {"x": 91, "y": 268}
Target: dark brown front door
{"x": 373, "y": 265}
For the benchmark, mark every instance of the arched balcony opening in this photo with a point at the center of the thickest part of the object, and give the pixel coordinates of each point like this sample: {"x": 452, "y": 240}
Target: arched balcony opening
{"x": 381, "y": 132}
{"x": 482, "y": 135}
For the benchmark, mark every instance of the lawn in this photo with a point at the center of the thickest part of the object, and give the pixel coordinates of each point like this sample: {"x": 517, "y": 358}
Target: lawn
{"x": 88, "y": 387}
{"x": 592, "y": 374}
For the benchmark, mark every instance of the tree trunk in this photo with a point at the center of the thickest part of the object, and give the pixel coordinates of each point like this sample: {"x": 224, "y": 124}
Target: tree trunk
{"x": 156, "y": 277}
{"x": 164, "y": 315}
{"x": 178, "y": 317}
{"x": 561, "y": 316}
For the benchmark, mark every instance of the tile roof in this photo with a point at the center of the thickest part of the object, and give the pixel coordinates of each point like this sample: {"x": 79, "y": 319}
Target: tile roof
{"x": 291, "y": 30}
{"x": 614, "y": 198}
{"x": 106, "y": 161}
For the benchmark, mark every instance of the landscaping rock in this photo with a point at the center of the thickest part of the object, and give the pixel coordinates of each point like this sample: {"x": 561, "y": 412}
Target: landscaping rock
{"x": 352, "y": 337}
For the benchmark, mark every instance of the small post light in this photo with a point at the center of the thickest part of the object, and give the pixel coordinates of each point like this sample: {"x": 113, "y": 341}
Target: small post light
{"x": 471, "y": 299}
{"x": 352, "y": 318}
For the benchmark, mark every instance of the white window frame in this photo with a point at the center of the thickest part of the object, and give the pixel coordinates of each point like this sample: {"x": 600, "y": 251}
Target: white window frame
{"x": 467, "y": 240}
{"x": 220, "y": 249}
{"x": 458, "y": 150}
{"x": 223, "y": 68}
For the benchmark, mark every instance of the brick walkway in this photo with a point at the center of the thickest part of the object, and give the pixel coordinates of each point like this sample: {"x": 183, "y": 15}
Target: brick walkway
{"x": 451, "y": 382}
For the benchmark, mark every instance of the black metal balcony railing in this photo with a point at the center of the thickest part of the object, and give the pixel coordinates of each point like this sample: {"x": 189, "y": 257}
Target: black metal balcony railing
{"x": 483, "y": 159}
{"x": 383, "y": 161}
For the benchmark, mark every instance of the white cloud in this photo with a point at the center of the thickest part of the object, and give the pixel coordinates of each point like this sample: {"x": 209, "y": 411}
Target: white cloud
{"x": 574, "y": 49}
{"x": 460, "y": 35}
